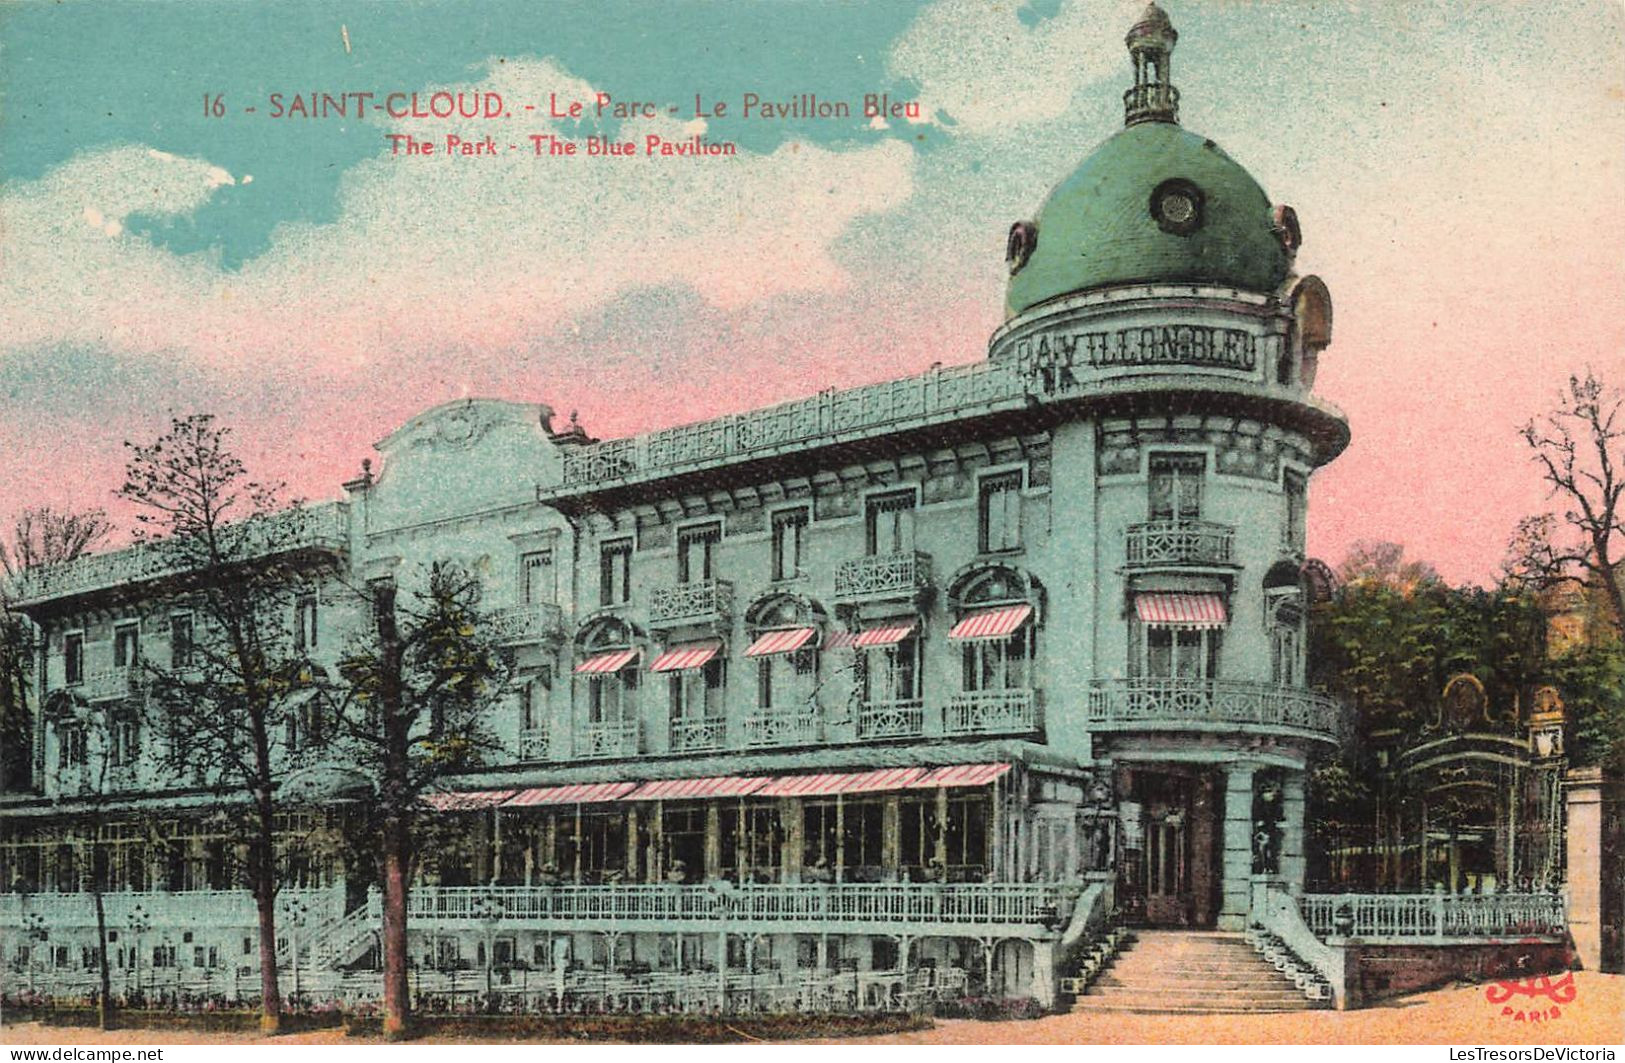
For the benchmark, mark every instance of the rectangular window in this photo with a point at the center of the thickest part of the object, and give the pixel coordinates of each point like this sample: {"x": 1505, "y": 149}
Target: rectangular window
{"x": 610, "y": 698}
{"x": 696, "y": 553}
{"x": 70, "y": 745}
{"x": 126, "y": 645}
{"x": 73, "y": 659}
{"x": 124, "y": 741}
{"x": 1000, "y": 512}
{"x": 789, "y": 539}
{"x": 1181, "y": 653}
{"x": 538, "y": 585}
{"x": 1284, "y": 655}
{"x": 1294, "y": 535}
{"x": 892, "y": 673}
{"x": 698, "y": 693}
{"x": 615, "y": 572}
{"x": 890, "y": 523}
{"x": 305, "y": 631}
{"x": 997, "y": 664}
{"x": 787, "y": 681}
{"x": 180, "y": 641}
{"x": 1176, "y": 486}
{"x": 534, "y": 699}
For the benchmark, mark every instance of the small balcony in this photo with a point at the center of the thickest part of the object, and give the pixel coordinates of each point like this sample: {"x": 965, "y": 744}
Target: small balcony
{"x": 767, "y": 729}
{"x": 992, "y": 712}
{"x": 699, "y": 734}
{"x": 882, "y": 577}
{"x": 1170, "y": 704}
{"x": 1180, "y": 544}
{"x": 708, "y": 601}
{"x": 536, "y": 744}
{"x": 524, "y": 625}
{"x": 891, "y": 719}
{"x": 604, "y": 740}
{"x": 112, "y": 684}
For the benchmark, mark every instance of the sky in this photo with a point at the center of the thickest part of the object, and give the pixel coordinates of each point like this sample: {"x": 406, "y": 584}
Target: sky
{"x": 1456, "y": 167}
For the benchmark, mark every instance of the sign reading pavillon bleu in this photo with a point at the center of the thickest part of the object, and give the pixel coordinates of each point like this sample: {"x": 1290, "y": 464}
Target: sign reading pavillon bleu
{"x": 1196, "y": 345}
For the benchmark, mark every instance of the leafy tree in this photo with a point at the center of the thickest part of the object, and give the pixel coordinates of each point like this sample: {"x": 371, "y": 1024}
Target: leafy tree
{"x": 413, "y": 707}
{"x": 40, "y": 537}
{"x": 227, "y": 701}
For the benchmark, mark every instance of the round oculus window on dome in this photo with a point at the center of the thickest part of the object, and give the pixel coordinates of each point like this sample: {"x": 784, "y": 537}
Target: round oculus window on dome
{"x": 1177, "y": 207}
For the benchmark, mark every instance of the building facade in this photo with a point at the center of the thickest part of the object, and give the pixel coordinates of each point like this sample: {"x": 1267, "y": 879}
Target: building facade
{"x": 893, "y": 690}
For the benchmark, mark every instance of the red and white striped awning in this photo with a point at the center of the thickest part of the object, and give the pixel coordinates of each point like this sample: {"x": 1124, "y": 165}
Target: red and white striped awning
{"x": 991, "y": 623}
{"x": 1180, "y": 610}
{"x": 960, "y": 775}
{"x": 840, "y": 640}
{"x": 841, "y": 783}
{"x": 772, "y": 642}
{"x": 607, "y": 663}
{"x": 471, "y": 801}
{"x": 889, "y": 635}
{"x": 687, "y": 657}
{"x": 578, "y": 794}
{"x": 715, "y": 786}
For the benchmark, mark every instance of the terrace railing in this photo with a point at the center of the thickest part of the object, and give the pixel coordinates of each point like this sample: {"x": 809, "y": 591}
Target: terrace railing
{"x": 699, "y": 734}
{"x": 536, "y": 743}
{"x": 608, "y": 740}
{"x": 1156, "y": 703}
{"x": 191, "y": 908}
{"x": 891, "y": 719}
{"x": 1434, "y": 915}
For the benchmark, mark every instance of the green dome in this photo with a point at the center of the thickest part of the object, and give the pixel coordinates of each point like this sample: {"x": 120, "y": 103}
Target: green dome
{"x": 1098, "y": 228}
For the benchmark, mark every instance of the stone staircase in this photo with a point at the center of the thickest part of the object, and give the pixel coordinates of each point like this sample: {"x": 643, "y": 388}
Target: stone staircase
{"x": 1192, "y": 973}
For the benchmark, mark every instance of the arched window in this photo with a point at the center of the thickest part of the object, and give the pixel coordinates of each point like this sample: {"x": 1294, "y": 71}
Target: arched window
{"x": 996, "y": 609}
{"x": 786, "y": 631}
{"x": 1284, "y": 616}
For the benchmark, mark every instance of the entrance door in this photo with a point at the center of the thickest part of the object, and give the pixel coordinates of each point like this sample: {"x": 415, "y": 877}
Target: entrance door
{"x": 1167, "y": 869}
{"x": 1168, "y": 878}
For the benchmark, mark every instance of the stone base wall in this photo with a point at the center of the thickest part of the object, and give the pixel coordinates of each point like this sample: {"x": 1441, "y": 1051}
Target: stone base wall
{"x": 1379, "y": 972}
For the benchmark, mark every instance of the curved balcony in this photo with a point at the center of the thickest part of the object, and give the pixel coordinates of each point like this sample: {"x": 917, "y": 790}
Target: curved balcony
{"x": 1180, "y": 544}
{"x": 1166, "y": 704}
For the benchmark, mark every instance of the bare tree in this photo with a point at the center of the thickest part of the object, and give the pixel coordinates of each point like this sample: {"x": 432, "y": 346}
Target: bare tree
{"x": 417, "y": 691}
{"x": 40, "y": 537}
{"x": 1580, "y": 449}
{"x": 228, "y": 700}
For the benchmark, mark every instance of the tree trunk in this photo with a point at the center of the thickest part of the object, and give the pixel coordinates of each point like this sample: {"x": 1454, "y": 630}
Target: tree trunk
{"x": 104, "y": 1003}
{"x": 397, "y": 993}
{"x": 270, "y": 993}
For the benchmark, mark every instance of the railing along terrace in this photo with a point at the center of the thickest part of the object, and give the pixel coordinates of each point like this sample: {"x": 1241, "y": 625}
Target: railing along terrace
{"x": 324, "y": 526}
{"x": 698, "y": 734}
{"x": 1179, "y": 542}
{"x": 535, "y": 743}
{"x": 608, "y": 740}
{"x": 764, "y": 729}
{"x": 1142, "y": 703}
{"x": 882, "y": 575}
{"x": 536, "y": 622}
{"x": 161, "y": 910}
{"x": 990, "y": 712}
{"x": 701, "y": 600}
{"x": 1026, "y": 904}
{"x": 1435, "y": 915}
{"x": 891, "y": 719}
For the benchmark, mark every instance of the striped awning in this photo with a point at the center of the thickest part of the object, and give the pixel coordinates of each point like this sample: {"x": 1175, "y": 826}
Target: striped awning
{"x": 607, "y": 663}
{"x": 888, "y": 635}
{"x": 578, "y": 794}
{"x": 696, "y": 789}
{"x": 772, "y": 642}
{"x": 991, "y": 623}
{"x": 687, "y": 657}
{"x": 1180, "y": 610}
{"x": 840, "y": 640}
{"x": 960, "y": 775}
{"x": 467, "y": 802}
{"x": 841, "y": 783}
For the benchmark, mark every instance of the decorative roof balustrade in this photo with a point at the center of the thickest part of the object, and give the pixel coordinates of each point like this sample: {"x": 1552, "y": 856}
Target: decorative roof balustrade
{"x": 1150, "y": 704}
{"x": 322, "y": 527}
{"x": 1037, "y": 905}
{"x": 1177, "y": 543}
{"x": 1434, "y": 915}
{"x": 882, "y": 576}
{"x": 698, "y": 602}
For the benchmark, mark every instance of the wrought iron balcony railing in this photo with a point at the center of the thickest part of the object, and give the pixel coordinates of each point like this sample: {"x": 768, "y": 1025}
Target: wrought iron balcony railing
{"x": 1038, "y": 905}
{"x": 528, "y": 624}
{"x": 323, "y": 527}
{"x": 110, "y": 684}
{"x": 1179, "y": 543}
{"x": 891, "y": 719}
{"x": 882, "y": 576}
{"x": 1434, "y": 915}
{"x": 607, "y": 740}
{"x": 764, "y": 729}
{"x": 536, "y": 743}
{"x": 699, "y": 602}
{"x": 1211, "y": 704}
{"x": 698, "y": 734}
{"x": 992, "y": 712}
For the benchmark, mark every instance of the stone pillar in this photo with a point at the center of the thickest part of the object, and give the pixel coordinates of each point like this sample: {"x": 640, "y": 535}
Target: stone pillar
{"x": 1045, "y": 984}
{"x": 1292, "y": 868}
{"x": 1589, "y": 876}
{"x": 1237, "y": 884}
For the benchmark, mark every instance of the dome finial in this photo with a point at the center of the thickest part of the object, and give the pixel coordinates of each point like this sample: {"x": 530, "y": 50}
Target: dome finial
{"x": 1151, "y": 43}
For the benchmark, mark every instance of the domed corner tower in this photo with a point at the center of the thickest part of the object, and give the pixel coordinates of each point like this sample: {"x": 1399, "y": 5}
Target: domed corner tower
{"x": 1154, "y": 308}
